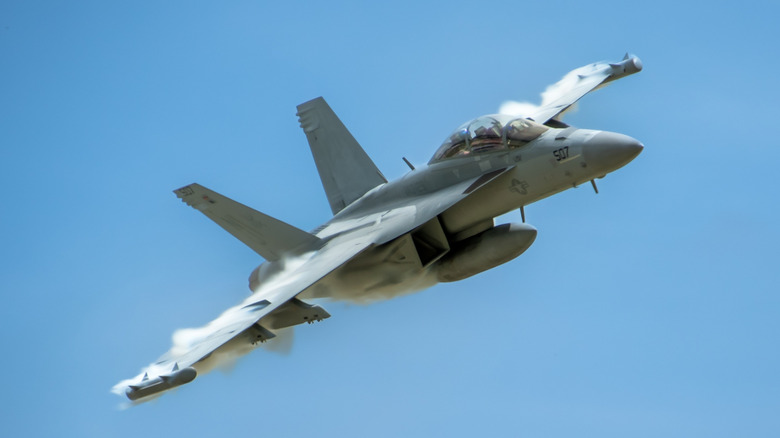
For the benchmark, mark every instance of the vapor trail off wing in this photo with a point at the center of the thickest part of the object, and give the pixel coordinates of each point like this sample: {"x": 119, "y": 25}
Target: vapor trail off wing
{"x": 563, "y": 94}
{"x": 239, "y": 322}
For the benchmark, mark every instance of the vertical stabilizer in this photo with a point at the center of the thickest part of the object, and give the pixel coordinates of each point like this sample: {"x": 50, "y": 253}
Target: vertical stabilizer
{"x": 346, "y": 171}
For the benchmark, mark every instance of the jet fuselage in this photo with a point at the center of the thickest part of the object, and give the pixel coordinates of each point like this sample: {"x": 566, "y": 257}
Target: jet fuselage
{"x": 435, "y": 224}
{"x": 558, "y": 160}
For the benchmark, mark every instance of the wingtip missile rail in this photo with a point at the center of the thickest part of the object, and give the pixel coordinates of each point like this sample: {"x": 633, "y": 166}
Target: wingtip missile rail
{"x": 627, "y": 66}
{"x": 162, "y": 383}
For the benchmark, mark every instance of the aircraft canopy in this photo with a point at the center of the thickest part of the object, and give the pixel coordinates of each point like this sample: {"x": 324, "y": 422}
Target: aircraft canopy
{"x": 488, "y": 133}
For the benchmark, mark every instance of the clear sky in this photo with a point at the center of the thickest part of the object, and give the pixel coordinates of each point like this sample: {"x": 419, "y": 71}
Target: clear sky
{"x": 651, "y": 309}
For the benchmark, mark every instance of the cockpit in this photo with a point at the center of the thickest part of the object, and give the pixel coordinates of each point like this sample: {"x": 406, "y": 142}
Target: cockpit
{"x": 487, "y": 134}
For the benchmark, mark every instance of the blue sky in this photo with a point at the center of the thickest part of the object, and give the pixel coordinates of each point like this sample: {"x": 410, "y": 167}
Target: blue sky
{"x": 648, "y": 310}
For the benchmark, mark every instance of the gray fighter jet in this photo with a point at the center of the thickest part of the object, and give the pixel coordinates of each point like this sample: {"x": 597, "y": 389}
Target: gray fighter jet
{"x": 435, "y": 224}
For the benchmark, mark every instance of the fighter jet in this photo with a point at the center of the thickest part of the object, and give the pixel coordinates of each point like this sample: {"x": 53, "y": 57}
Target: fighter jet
{"x": 435, "y": 224}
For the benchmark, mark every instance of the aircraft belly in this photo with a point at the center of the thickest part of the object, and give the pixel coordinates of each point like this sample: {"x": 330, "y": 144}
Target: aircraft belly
{"x": 398, "y": 267}
{"x": 381, "y": 273}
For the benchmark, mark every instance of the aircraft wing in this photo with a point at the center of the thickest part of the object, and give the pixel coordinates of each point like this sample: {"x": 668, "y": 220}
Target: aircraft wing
{"x": 341, "y": 241}
{"x": 563, "y": 94}
{"x": 192, "y": 346}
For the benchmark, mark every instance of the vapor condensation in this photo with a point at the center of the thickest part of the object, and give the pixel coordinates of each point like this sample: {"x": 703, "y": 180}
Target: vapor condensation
{"x": 352, "y": 284}
{"x": 550, "y": 94}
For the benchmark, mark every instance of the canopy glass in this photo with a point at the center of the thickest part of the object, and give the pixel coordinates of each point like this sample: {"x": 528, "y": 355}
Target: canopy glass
{"x": 488, "y": 133}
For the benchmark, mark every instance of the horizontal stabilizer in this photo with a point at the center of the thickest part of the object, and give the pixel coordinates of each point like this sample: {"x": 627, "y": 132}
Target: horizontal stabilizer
{"x": 269, "y": 237}
{"x": 346, "y": 171}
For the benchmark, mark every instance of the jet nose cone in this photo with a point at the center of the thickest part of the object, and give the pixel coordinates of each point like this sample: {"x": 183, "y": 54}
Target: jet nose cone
{"x": 609, "y": 151}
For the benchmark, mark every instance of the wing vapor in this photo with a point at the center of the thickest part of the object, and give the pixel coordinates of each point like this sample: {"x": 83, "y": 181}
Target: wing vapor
{"x": 238, "y": 325}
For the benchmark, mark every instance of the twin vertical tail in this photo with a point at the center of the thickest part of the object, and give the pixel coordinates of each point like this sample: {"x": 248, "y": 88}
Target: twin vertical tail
{"x": 346, "y": 171}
